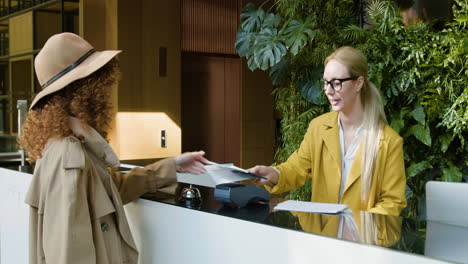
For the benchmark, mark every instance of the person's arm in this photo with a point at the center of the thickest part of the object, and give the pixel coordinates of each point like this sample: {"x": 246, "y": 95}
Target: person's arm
{"x": 392, "y": 199}
{"x": 156, "y": 176}
{"x": 149, "y": 179}
{"x": 292, "y": 173}
{"x": 67, "y": 231}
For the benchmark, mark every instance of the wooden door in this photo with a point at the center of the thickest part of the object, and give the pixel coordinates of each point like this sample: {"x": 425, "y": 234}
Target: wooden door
{"x": 211, "y": 117}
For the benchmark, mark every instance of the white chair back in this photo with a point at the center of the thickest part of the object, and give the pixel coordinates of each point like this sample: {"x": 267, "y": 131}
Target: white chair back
{"x": 447, "y": 202}
{"x": 447, "y": 221}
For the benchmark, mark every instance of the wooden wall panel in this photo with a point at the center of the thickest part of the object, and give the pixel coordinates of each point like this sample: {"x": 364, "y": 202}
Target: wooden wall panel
{"x": 47, "y": 24}
{"x": 129, "y": 41}
{"x": 143, "y": 28}
{"x": 233, "y": 114}
{"x": 209, "y": 26}
{"x": 227, "y": 110}
{"x": 257, "y": 118}
{"x": 21, "y": 33}
{"x": 161, "y": 28}
{"x": 98, "y": 23}
{"x": 21, "y": 72}
{"x": 203, "y": 120}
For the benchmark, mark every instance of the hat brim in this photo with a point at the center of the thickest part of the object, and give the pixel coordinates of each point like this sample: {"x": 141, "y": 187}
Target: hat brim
{"x": 93, "y": 63}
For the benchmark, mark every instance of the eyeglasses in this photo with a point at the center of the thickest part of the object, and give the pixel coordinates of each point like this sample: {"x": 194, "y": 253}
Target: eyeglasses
{"x": 337, "y": 84}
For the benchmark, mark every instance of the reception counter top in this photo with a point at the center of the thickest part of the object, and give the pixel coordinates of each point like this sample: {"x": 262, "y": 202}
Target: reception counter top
{"x": 167, "y": 230}
{"x": 211, "y": 232}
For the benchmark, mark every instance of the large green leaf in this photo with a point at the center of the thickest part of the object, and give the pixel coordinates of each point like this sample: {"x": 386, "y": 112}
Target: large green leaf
{"x": 422, "y": 133}
{"x": 451, "y": 174}
{"x": 244, "y": 43}
{"x": 298, "y": 33}
{"x": 268, "y": 49}
{"x": 271, "y": 20}
{"x": 251, "y": 63}
{"x": 419, "y": 115}
{"x": 252, "y": 18}
{"x": 445, "y": 141}
{"x": 416, "y": 168}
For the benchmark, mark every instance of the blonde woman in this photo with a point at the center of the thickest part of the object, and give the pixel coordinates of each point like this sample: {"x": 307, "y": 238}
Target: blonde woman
{"x": 76, "y": 197}
{"x": 351, "y": 154}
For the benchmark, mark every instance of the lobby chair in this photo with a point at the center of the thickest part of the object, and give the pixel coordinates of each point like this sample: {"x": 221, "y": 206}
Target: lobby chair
{"x": 447, "y": 202}
{"x": 447, "y": 221}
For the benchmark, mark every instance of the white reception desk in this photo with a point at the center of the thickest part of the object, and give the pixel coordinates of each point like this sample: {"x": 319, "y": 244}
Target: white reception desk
{"x": 166, "y": 233}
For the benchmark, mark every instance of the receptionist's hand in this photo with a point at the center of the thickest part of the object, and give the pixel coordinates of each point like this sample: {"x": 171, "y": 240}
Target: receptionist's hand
{"x": 191, "y": 162}
{"x": 268, "y": 172}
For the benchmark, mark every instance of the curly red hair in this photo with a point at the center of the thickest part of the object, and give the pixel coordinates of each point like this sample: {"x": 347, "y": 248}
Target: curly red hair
{"x": 87, "y": 99}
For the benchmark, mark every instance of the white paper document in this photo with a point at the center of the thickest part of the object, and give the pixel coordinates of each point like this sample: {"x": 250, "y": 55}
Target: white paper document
{"x": 215, "y": 174}
{"x": 311, "y": 207}
{"x": 225, "y": 173}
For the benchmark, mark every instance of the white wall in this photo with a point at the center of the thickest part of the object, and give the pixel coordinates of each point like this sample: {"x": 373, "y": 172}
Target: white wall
{"x": 14, "y": 217}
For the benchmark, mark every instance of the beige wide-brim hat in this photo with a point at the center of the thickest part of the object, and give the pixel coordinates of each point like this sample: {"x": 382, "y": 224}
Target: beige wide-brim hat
{"x": 65, "y": 58}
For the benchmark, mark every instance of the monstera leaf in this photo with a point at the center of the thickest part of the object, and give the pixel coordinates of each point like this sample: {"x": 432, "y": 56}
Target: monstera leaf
{"x": 252, "y": 18}
{"x": 244, "y": 43}
{"x": 271, "y": 20}
{"x": 264, "y": 45}
{"x": 268, "y": 49}
{"x": 299, "y": 33}
{"x": 258, "y": 38}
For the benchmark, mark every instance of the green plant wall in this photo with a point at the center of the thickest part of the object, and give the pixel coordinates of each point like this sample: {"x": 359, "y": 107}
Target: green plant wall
{"x": 422, "y": 73}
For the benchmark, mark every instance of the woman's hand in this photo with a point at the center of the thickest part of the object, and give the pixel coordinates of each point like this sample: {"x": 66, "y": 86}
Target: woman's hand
{"x": 191, "y": 162}
{"x": 268, "y": 172}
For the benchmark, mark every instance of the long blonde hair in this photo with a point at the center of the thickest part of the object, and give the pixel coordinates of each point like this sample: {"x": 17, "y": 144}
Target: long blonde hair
{"x": 374, "y": 115}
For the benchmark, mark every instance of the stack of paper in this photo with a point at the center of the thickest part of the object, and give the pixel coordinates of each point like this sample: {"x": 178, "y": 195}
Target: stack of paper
{"x": 311, "y": 207}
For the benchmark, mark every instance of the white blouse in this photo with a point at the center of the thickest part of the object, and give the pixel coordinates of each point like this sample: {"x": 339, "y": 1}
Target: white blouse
{"x": 347, "y": 157}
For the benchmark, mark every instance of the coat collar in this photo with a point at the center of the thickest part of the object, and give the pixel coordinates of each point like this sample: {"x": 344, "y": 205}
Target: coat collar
{"x": 331, "y": 122}
{"x": 331, "y": 136}
{"x": 94, "y": 142}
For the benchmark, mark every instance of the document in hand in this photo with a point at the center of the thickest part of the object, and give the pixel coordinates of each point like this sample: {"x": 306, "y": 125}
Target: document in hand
{"x": 221, "y": 173}
{"x": 311, "y": 207}
{"x": 216, "y": 174}
{"x": 237, "y": 170}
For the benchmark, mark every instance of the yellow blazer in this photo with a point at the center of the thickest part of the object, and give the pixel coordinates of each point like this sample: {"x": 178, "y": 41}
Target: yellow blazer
{"x": 319, "y": 158}
{"x": 381, "y": 230}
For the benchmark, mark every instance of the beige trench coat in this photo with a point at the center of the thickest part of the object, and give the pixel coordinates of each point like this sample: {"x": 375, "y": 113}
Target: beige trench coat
{"x": 76, "y": 202}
